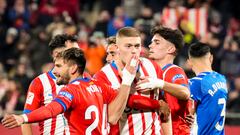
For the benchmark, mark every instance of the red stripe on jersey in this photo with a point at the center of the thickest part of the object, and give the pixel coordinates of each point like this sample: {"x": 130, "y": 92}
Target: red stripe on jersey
{"x": 130, "y": 124}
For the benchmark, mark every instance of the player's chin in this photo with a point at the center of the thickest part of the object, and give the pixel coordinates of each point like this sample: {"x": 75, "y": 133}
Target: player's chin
{"x": 151, "y": 55}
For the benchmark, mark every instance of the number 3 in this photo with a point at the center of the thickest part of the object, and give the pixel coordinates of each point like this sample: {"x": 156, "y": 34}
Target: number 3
{"x": 218, "y": 126}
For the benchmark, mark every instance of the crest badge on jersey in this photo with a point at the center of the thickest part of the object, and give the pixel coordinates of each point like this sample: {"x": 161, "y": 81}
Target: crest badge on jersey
{"x": 30, "y": 97}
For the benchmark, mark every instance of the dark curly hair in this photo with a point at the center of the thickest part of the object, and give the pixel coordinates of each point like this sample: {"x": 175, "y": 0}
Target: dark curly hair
{"x": 59, "y": 41}
{"x": 173, "y": 36}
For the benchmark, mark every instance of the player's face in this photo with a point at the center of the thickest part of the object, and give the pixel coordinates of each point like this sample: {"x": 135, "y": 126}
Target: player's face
{"x": 160, "y": 47}
{"x": 112, "y": 53}
{"x": 128, "y": 46}
{"x": 61, "y": 71}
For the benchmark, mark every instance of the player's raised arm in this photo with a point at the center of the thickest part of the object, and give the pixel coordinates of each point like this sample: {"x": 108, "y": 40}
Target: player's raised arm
{"x": 117, "y": 106}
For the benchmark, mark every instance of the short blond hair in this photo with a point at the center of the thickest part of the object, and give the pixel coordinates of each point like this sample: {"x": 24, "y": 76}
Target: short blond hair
{"x": 128, "y": 32}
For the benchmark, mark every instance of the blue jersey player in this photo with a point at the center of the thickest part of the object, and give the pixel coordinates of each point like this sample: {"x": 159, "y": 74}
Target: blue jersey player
{"x": 208, "y": 90}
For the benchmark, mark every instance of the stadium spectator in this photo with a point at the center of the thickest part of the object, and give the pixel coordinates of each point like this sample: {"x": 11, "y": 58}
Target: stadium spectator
{"x": 95, "y": 53}
{"x": 118, "y": 21}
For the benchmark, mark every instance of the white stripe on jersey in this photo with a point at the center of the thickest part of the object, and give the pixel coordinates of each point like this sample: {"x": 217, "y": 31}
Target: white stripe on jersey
{"x": 59, "y": 130}
{"x": 137, "y": 123}
{"x": 111, "y": 76}
{"x": 47, "y": 91}
{"x": 149, "y": 67}
{"x": 197, "y": 78}
{"x": 67, "y": 130}
{"x": 148, "y": 120}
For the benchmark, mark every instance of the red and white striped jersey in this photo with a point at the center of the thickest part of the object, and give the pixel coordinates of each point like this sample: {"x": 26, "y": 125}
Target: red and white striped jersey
{"x": 171, "y": 17}
{"x": 134, "y": 122}
{"x": 196, "y": 17}
{"x": 41, "y": 92}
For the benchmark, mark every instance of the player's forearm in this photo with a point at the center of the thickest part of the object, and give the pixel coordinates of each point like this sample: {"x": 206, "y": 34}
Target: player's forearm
{"x": 142, "y": 103}
{"x": 26, "y": 129}
{"x": 45, "y": 112}
{"x": 117, "y": 106}
{"x": 179, "y": 91}
{"x": 167, "y": 126}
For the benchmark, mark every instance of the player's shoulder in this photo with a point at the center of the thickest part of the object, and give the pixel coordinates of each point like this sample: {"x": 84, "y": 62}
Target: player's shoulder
{"x": 172, "y": 68}
{"x": 38, "y": 79}
{"x": 195, "y": 79}
{"x": 147, "y": 61}
{"x": 149, "y": 64}
{"x": 104, "y": 70}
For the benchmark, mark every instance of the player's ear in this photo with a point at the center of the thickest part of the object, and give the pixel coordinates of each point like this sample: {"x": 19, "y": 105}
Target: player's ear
{"x": 74, "y": 68}
{"x": 171, "y": 49}
{"x": 211, "y": 58}
{"x": 189, "y": 63}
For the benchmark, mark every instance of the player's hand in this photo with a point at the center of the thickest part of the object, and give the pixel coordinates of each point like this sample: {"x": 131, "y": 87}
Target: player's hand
{"x": 12, "y": 121}
{"x": 164, "y": 110}
{"x": 149, "y": 83}
{"x": 190, "y": 120}
{"x": 129, "y": 71}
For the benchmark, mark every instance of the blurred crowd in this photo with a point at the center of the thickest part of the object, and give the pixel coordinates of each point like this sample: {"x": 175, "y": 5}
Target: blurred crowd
{"x": 26, "y": 27}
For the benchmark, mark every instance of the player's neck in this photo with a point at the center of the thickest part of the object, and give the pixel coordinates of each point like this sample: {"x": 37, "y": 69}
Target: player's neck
{"x": 199, "y": 68}
{"x": 75, "y": 76}
{"x": 165, "y": 61}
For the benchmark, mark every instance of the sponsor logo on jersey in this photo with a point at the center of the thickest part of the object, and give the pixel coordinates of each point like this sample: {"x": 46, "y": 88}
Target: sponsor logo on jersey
{"x": 66, "y": 95}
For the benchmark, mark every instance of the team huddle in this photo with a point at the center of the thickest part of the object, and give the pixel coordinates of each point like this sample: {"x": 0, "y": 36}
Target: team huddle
{"x": 130, "y": 95}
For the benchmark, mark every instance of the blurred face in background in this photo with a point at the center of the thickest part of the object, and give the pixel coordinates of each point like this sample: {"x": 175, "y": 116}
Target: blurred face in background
{"x": 68, "y": 44}
{"x": 128, "y": 46}
{"x": 112, "y": 53}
